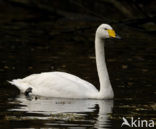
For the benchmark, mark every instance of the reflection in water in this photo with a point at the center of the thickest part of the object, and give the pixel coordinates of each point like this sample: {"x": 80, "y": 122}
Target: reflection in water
{"x": 67, "y": 109}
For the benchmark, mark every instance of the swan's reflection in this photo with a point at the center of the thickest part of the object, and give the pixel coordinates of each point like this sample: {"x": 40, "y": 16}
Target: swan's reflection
{"x": 49, "y": 106}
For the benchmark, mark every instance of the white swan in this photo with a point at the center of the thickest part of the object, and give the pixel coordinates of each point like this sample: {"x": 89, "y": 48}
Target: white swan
{"x": 64, "y": 85}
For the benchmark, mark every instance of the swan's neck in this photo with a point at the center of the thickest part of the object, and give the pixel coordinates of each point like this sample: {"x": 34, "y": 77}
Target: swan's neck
{"x": 105, "y": 85}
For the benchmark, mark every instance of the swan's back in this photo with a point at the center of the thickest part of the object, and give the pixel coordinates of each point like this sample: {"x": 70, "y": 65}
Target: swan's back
{"x": 57, "y": 84}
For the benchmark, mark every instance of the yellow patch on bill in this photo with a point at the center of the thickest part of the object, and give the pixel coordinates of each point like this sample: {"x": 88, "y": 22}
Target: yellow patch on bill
{"x": 111, "y": 33}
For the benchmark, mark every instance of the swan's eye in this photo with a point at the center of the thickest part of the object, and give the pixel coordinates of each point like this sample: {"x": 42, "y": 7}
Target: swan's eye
{"x": 105, "y": 29}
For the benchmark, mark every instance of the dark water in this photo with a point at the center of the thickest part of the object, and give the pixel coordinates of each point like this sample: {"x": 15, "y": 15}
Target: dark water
{"x": 32, "y": 45}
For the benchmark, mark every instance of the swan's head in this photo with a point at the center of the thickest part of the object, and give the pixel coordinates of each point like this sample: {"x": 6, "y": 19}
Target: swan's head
{"x": 106, "y": 31}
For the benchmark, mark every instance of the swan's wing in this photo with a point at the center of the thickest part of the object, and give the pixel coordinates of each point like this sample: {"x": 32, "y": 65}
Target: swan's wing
{"x": 57, "y": 84}
{"x": 74, "y": 78}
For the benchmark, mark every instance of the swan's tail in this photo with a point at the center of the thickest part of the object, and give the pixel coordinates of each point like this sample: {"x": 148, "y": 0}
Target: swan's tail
{"x": 20, "y": 84}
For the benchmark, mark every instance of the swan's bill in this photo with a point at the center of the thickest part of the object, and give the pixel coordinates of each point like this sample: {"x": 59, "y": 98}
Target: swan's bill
{"x": 113, "y": 34}
{"x": 118, "y": 37}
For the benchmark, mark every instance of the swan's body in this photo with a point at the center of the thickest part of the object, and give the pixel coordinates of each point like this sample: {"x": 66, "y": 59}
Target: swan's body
{"x": 57, "y": 84}
{"x": 60, "y": 84}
